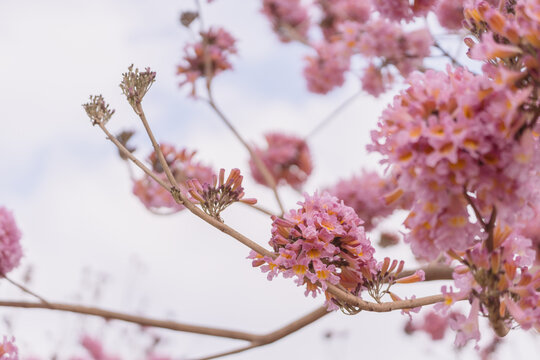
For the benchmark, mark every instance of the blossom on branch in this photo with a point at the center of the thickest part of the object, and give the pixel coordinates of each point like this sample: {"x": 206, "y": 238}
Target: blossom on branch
{"x": 10, "y": 246}
{"x": 321, "y": 243}
{"x": 183, "y": 167}
{"x": 289, "y": 18}
{"x": 206, "y": 58}
{"x": 218, "y": 195}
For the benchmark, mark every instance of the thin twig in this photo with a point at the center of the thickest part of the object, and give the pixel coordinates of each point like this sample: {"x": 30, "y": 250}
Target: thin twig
{"x": 260, "y": 209}
{"x": 26, "y": 290}
{"x": 261, "y": 166}
{"x": 143, "y": 321}
{"x": 333, "y": 114}
{"x": 157, "y": 148}
{"x": 277, "y": 334}
{"x": 454, "y": 61}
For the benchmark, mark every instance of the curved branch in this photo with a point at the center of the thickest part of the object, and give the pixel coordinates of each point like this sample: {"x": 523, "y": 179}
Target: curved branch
{"x": 140, "y": 320}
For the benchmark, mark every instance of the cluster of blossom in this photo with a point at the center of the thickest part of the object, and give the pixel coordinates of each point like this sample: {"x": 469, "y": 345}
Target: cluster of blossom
{"x": 10, "y": 246}
{"x": 215, "y": 197}
{"x": 370, "y": 28}
{"x": 207, "y": 57}
{"x": 371, "y": 196}
{"x": 321, "y": 243}
{"x": 183, "y": 168}
{"x": 379, "y": 40}
{"x": 499, "y": 284}
{"x": 287, "y": 158}
{"x": 287, "y": 15}
{"x": 452, "y": 138}
{"x": 8, "y": 350}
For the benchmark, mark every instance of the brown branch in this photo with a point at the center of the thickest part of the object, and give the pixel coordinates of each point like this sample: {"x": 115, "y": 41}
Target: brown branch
{"x": 140, "y": 320}
{"x": 25, "y": 289}
{"x": 277, "y": 334}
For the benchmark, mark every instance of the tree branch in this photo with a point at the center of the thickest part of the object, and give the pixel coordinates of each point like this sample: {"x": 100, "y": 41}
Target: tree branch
{"x": 277, "y": 334}
{"x": 140, "y": 320}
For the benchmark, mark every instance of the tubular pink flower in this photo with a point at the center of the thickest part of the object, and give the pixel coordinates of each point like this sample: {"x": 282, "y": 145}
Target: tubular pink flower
{"x": 10, "y": 246}
{"x": 322, "y": 242}
{"x": 288, "y": 159}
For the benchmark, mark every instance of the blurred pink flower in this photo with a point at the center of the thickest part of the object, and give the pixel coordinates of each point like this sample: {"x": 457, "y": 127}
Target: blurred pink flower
{"x": 10, "y": 246}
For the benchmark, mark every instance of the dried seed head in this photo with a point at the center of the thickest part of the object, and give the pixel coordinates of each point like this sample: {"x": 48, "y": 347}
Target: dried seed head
{"x": 187, "y": 17}
{"x": 136, "y": 84}
{"x": 98, "y": 110}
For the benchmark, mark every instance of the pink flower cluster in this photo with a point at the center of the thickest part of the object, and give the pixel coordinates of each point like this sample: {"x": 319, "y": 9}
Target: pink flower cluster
{"x": 371, "y": 196}
{"x": 454, "y": 133}
{"x": 322, "y": 242}
{"x": 326, "y": 70}
{"x": 10, "y": 246}
{"x": 208, "y": 57}
{"x": 397, "y": 10}
{"x": 215, "y": 197}
{"x": 8, "y": 350}
{"x": 450, "y": 14}
{"x": 499, "y": 285}
{"x": 287, "y": 158}
{"x": 337, "y": 12}
{"x": 183, "y": 167}
{"x": 289, "y": 18}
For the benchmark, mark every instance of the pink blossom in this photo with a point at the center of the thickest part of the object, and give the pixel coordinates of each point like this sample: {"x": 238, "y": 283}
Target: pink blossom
{"x": 10, "y": 246}
{"x": 326, "y": 70}
{"x": 337, "y": 12}
{"x": 287, "y": 157}
{"x": 208, "y": 57}
{"x": 287, "y": 16}
{"x": 387, "y": 40}
{"x": 368, "y": 194}
{"x": 95, "y": 349}
{"x": 184, "y": 168}
{"x": 8, "y": 350}
{"x": 467, "y": 328}
{"x": 395, "y": 10}
{"x": 450, "y": 14}
{"x": 456, "y": 130}
{"x": 320, "y": 243}
{"x": 374, "y": 82}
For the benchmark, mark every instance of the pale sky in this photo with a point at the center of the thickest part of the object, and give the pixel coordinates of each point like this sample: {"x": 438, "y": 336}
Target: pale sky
{"x": 71, "y": 194}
